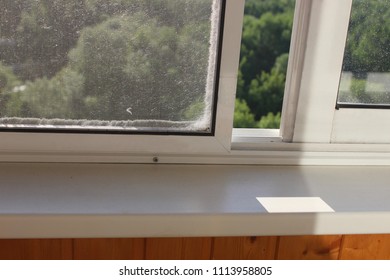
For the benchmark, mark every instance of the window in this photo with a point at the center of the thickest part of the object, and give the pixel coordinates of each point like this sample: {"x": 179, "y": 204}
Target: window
{"x": 313, "y": 132}
{"x": 132, "y": 66}
{"x": 199, "y": 64}
{"x": 264, "y": 57}
{"x": 365, "y": 80}
{"x": 312, "y": 129}
{"x": 317, "y": 120}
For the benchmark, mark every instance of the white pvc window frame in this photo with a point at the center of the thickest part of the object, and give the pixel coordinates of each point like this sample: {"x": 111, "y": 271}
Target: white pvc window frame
{"x": 325, "y": 45}
{"x": 22, "y": 143}
{"x": 313, "y": 132}
{"x": 317, "y": 119}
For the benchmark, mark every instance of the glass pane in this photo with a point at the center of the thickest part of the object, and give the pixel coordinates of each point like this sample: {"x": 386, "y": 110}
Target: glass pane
{"x": 263, "y": 63}
{"x": 365, "y": 79}
{"x": 118, "y": 65}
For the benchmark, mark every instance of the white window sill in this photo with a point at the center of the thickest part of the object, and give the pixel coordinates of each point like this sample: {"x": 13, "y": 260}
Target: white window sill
{"x": 125, "y": 200}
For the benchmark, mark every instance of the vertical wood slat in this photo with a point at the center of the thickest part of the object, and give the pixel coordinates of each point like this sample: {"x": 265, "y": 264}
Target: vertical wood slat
{"x": 36, "y": 249}
{"x": 244, "y": 248}
{"x": 193, "y": 248}
{"x": 109, "y": 249}
{"x": 366, "y": 247}
{"x": 311, "y": 247}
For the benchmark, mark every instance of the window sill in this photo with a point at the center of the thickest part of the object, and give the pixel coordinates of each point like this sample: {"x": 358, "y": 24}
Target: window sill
{"x": 124, "y": 200}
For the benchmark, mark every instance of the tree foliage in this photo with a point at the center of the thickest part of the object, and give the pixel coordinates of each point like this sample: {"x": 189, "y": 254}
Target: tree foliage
{"x": 137, "y": 59}
{"x": 367, "y": 54}
{"x": 243, "y": 117}
{"x": 266, "y": 91}
{"x": 48, "y": 98}
{"x": 257, "y": 8}
{"x": 271, "y": 120}
{"x": 264, "y": 55}
{"x": 368, "y": 43}
{"x": 265, "y": 45}
{"x": 94, "y": 59}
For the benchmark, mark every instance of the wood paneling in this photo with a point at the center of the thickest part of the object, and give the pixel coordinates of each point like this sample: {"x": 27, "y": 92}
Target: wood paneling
{"x": 109, "y": 249}
{"x": 178, "y": 248}
{"x": 309, "y": 247}
{"x": 197, "y": 248}
{"x": 366, "y": 247}
{"x": 285, "y": 247}
{"x": 36, "y": 249}
{"x": 244, "y": 248}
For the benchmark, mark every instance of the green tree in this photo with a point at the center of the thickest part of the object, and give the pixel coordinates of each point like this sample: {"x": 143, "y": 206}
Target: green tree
{"x": 123, "y": 59}
{"x": 266, "y": 91}
{"x": 47, "y": 30}
{"x": 8, "y": 83}
{"x": 243, "y": 117}
{"x": 264, "y": 54}
{"x": 257, "y": 8}
{"x": 133, "y": 62}
{"x": 368, "y": 43}
{"x": 367, "y": 50}
{"x": 8, "y": 80}
{"x": 270, "y": 121}
{"x": 263, "y": 40}
{"x": 44, "y": 98}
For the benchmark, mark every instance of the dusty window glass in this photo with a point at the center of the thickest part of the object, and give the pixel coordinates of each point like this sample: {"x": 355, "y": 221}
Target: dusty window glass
{"x": 365, "y": 79}
{"x": 265, "y": 47}
{"x": 118, "y": 65}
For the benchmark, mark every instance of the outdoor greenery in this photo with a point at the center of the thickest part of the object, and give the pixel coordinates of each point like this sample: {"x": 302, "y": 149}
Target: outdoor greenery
{"x": 368, "y": 51}
{"x": 263, "y": 63}
{"x": 264, "y": 56}
{"x": 148, "y": 59}
{"x": 104, "y": 60}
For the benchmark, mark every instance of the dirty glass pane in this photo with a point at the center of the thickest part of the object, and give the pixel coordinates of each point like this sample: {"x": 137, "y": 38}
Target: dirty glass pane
{"x": 365, "y": 79}
{"x": 108, "y": 65}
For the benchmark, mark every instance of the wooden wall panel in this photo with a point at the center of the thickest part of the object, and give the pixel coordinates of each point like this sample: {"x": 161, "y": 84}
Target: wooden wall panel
{"x": 197, "y": 248}
{"x": 109, "y": 249}
{"x": 286, "y": 247}
{"x": 36, "y": 249}
{"x": 366, "y": 247}
{"x": 309, "y": 247}
{"x": 178, "y": 248}
{"x": 244, "y": 248}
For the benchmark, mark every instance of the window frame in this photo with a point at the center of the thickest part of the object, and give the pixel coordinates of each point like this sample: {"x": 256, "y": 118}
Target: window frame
{"x": 68, "y": 180}
{"x": 65, "y": 143}
{"x": 321, "y": 71}
{"x": 310, "y": 129}
{"x": 318, "y": 119}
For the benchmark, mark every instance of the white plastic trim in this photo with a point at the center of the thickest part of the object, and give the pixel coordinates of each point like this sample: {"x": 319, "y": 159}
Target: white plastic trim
{"x": 295, "y": 68}
{"x": 321, "y": 71}
{"x": 67, "y": 200}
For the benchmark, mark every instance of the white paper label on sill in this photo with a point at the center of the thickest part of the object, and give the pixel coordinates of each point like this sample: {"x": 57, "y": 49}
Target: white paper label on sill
{"x": 294, "y": 204}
